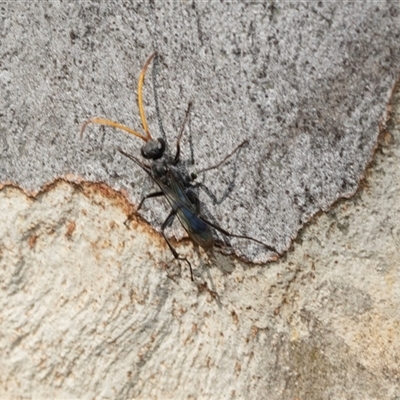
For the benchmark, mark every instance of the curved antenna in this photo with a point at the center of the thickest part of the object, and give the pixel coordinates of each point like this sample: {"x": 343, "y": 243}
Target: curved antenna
{"x": 113, "y": 124}
{"x": 140, "y": 97}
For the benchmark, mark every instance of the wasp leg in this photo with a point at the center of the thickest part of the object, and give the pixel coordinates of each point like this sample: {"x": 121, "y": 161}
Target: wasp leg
{"x": 157, "y": 106}
{"x": 236, "y": 149}
{"x": 166, "y": 223}
{"x": 232, "y": 182}
{"x": 178, "y": 140}
{"x": 212, "y": 196}
{"x": 226, "y": 233}
{"x": 149, "y": 196}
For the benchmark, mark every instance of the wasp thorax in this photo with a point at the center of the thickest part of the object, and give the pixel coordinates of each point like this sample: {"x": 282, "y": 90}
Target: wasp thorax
{"x": 159, "y": 169}
{"x": 153, "y": 149}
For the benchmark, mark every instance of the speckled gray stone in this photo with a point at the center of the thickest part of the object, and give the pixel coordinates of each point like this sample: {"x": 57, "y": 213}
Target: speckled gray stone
{"x": 306, "y": 83}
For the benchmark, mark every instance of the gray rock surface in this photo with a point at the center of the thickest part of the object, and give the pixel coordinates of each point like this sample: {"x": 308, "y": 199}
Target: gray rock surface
{"x": 306, "y": 83}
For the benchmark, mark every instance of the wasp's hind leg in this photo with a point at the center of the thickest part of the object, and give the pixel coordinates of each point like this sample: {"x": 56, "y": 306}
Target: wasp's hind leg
{"x": 166, "y": 223}
{"x": 231, "y": 185}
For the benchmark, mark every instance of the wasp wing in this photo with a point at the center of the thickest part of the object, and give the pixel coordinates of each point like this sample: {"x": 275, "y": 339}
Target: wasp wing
{"x": 197, "y": 228}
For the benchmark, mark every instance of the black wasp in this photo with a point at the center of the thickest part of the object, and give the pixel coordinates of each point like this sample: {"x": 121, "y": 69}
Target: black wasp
{"x": 175, "y": 183}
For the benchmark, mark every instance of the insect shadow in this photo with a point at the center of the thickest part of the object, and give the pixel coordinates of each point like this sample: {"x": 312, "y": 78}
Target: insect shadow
{"x": 175, "y": 183}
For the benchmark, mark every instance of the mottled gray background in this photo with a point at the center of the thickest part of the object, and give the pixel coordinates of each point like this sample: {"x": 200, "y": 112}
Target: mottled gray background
{"x": 306, "y": 83}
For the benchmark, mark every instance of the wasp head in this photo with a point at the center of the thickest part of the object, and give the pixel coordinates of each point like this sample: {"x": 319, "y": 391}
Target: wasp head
{"x": 153, "y": 149}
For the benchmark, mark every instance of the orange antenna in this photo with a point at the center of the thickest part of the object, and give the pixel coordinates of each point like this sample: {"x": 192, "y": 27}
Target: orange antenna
{"x": 140, "y": 96}
{"x": 113, "y": 124}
